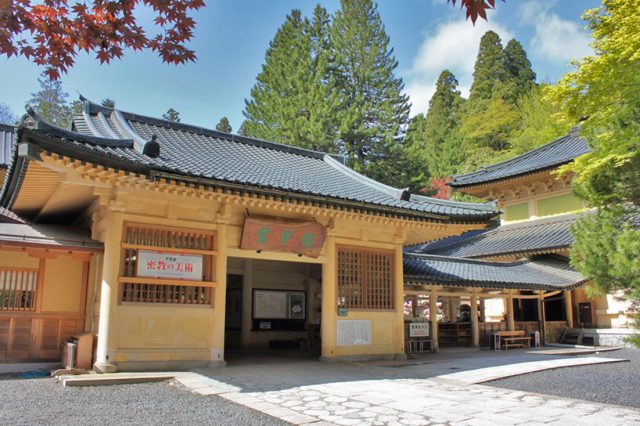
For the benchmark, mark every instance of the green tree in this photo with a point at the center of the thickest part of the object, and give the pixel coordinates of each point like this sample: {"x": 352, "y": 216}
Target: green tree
{"x": 604, "y": 87}
{"x": 434, "y": 143}
{"x": 373, "y": 111}
{"x": 490, "y": 69}
{"x": 520, "y": 77}
{"x": 51, "y": 104}
{"x": 108, "y": 103}
{"x": 6, "y": 115}
{"x": 224, "y": 125}
{"x": 172, "y": 115}
{"x": 291, "y": 101}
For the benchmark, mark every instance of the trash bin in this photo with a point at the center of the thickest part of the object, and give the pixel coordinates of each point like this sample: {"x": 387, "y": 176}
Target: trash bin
{"x": 535, "y": 339}
{"x": 494, "y": 342}
{"x": 68, "y": 354}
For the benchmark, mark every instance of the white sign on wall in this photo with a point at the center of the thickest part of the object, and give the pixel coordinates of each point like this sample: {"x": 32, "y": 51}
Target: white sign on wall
{"x": 353, "y": 332}
{"x": 155, "y": 264}
{"x": 419, "y": 329}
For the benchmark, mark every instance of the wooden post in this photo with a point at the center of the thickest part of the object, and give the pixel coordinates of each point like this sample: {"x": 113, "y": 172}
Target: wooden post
{"x": 433, "y": 316}
{"x": 541, "y": 321}
{"x": 475, "y": 327}
{"x": 482, "y": 310}
{"x": 247, "y": 303}
{"x": 568, "y": 305}
{"x": 328, "y": 324}
{"x": 511, "y": 324}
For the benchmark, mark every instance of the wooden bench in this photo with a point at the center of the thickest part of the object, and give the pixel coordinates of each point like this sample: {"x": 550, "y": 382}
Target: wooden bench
{"x": 514, "y": 339}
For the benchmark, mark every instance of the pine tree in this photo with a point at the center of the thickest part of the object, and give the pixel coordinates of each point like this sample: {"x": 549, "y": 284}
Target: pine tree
{"x": 171, "y": 115}
{"x": 520, "y": 77}
{"x": 291, "y": 101}
{"x": 490, "y": 69}
{"x": 372, "y": 110}
{"x": 108, "y": 103}
{"x": 50, "y": 103}
{"x": 224, "y": 125}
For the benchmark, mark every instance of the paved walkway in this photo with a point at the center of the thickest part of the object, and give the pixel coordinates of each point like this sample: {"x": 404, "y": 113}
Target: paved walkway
{"x": 419, "y": 392}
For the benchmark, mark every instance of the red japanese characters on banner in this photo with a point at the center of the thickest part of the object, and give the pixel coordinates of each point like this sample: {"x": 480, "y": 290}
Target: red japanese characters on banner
{"x": 169, "y": 265}
{"x": 260, "y": 233}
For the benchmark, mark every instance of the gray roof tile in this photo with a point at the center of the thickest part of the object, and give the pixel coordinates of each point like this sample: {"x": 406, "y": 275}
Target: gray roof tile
{"x": 561, "y": 151}
{"x": 518, "y": 238}
{"x": 544, "y": 273}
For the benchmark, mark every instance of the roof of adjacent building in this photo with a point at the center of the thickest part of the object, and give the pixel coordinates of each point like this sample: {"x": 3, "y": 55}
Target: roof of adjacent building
{"x": 131, "y": 142}
{"x": 6, "y": 141}
{"x": 561, "y": 151}
{"x": 48, "y": 236}
{"x": 7, "y": 216}
{"x": 522, "y": 238}
{"x": 544, "y": 273}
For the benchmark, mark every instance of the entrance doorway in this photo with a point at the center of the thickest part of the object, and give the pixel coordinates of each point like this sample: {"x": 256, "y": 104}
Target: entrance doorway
{"x": 272, "y": 308}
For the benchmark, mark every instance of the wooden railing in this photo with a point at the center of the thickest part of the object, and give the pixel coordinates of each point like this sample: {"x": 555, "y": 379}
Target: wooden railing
{"x": 487, "y": 329}
{"x": 528, "y": 326}
{"x": 554, "y": 330}
{"x": 18, "y": 289}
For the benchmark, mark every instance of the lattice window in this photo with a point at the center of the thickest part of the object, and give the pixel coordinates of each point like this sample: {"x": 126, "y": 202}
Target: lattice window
{"x": 366, "y": 279}
{"x": 167, "y": 241}
{"x": 18, "y": 289}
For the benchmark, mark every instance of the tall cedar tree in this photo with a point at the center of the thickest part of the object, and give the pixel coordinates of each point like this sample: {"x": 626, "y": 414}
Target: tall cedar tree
{"x": 433, "y": 142}
{"x": 500, "y": 78}
{"x": 51, "y": 104}
{"x": 372, "y": 110}
{"x": 224, "y": 125}
{"x": 291, "y": 101}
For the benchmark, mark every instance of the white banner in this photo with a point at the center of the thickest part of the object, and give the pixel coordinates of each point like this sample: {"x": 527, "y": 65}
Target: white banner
{"x": 169, "y": 265}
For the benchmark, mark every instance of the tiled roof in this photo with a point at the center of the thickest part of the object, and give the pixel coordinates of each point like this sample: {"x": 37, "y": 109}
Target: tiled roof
{"x": 544, "y": 273}
{"x": 561, "y": 151}
{"x": 51, "y": 236}
{"x": 530, "y": 236}
{"x": 217, "y": 158}
{"x": 7, "y": 216}
{"x": 6, "y": 140}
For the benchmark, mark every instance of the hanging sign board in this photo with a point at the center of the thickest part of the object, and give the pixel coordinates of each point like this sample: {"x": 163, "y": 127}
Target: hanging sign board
{"x": 419, "y": 329}
{"x": 261, "y": 233}
{"x": 155, "y": 264}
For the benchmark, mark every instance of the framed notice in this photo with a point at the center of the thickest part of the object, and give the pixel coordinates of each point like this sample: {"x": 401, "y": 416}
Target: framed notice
{"x": 279, "y": 305}
{"x": 155, "y": 264}
{"x": 353, "y": 332}
{"x": 296, "y": 306}
{"x": 419, "y": 329}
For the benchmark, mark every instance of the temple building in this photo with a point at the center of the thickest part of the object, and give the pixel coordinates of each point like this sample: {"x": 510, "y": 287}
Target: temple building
{"x": 176, "y": 246}
{"x": 538, "y": 209}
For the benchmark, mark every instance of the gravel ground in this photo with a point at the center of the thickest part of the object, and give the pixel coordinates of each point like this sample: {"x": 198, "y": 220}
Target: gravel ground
{"x": 617, "y": 383}
{"x": 43, "y": 401}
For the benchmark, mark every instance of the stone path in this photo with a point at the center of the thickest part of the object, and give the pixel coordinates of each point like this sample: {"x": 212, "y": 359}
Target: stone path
{"x": 350, "y": 394}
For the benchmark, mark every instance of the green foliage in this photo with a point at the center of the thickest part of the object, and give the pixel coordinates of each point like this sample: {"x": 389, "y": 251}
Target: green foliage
{"x": 51, "y": 104}
{"x": 108, "y": 103}
{"x": 6, "y": 115}
{"x": 292, "y": 101}
{"x": 520, "y": 77}
{"x": 434, "y": 144}
{"x": 224, "y": 125}
{"x": 490, "y": 68}
{"x": 372, "y": 110}
{"x": 488, "y": 126}
{"x": 605, "y": 87}
{"x": 171, "y": 115}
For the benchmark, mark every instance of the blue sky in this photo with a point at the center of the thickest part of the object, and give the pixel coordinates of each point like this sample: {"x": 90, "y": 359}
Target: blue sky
{"x": 232, "y": 37}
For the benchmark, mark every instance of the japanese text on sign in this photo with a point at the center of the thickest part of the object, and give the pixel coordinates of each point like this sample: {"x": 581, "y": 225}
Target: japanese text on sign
{"x": 169, "y": 265}
{"x": 305, "y": 238}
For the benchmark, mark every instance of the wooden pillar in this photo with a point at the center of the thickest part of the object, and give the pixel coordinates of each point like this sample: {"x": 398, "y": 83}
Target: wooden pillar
{"x": 328, "y": 324}
{"x": 105, "y": 350}
{"x": 482, "y": 310}
{"x": 433, "y": 316}
{"x": 475, "y": 327}
{"x": 451, "y": 309}
{"x": 220, "y": 298}
{"x": 568, "y": 305}
{"x": 541, "y": 320}
{"x": 511, "y": 323}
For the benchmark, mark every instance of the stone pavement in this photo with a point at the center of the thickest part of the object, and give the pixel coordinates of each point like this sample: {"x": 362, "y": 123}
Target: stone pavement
{"x": 420, "y": 393}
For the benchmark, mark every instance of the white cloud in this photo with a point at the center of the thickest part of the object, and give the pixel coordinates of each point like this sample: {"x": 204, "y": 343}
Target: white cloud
{"x": 555, "y": 40}
{"x": 453, "y": 46}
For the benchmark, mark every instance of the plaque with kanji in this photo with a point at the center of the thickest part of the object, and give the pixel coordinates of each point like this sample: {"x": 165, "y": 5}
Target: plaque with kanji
{"x": 260, "y": 233}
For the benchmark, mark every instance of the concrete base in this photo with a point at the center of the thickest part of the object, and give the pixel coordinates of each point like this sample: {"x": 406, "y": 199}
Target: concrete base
{"x": 166, "y": 365}
{"x": 113, "y": 379}
{"x": 610, "y": 336}
{"x": 105, "y": 368}
{"x": 361, "y": 358}
{"x": 23, "y": 367}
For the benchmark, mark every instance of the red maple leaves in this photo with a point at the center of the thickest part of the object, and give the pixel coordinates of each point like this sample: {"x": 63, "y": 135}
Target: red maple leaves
{"x": 476, "y": 8}
{"x": 51, "y": 33}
